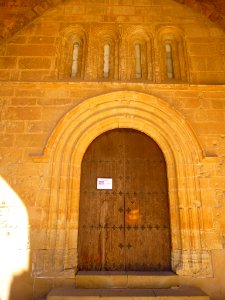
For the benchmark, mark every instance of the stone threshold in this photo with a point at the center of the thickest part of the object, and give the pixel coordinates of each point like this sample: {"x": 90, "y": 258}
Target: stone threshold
{"x": 178, "y": 293}
{"x": 125, "y": 279}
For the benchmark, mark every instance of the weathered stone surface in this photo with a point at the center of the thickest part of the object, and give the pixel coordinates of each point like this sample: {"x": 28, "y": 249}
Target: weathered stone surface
{"x": 48, "y": 121}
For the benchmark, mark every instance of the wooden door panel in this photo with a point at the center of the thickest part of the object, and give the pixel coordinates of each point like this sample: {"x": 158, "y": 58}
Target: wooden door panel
{"x": 101, "y": 213}
{"x": 126, "y": 227}
{"x": 146, "y": 205}
{"x": 149, "y": 255}
{"x": 114, "y": 252}
{"x": 147, "y": 234}
{"x": 90, "y": 260}
{"x": 146, "y": 208}
{"x": 145, "y": 176}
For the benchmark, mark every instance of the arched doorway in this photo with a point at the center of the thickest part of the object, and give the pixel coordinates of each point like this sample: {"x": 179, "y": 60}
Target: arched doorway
{"x": 125, "y": 226}
{"x": 183, "y": 154}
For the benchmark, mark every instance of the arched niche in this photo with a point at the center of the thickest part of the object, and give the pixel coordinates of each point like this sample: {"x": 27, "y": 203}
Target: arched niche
{"x": 174, "y": 38}
{"x": 157, "y": 119}
{"x": 70, "y": 37}
{"x": 139, "y": 38}
{"x": 105, "y": 35}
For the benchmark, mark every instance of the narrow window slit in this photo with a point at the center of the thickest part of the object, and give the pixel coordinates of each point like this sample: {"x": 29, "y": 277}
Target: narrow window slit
{"x": 169, "y": 61}
{"x": 106, "y": 59}
{"x": 138, "y": 70}
{"x": 76, "y": 48}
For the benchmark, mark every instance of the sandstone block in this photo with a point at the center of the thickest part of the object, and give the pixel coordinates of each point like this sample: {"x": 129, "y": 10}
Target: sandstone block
{"x": 23, "y": 101}
{"x": 30, "y": 91}
{"x": 6, "y": 91}
{"x": 7, "y": 62}
{"x": 123, "y": 10}
{"x": 6, "y": 140}
{"x": 23, "y": 113}
{"x": 14, "y": 127}
{"x": 30, "y": 50}
{"x": 30, "y": 140}
{"x": 41, "y": 40}
{"x": 74, "y": 10}
{"x": 34, "y": 63}
{"x": 32, "y": 75}
{"x": 19, "y": 39}
{"x": 5, "y": 75}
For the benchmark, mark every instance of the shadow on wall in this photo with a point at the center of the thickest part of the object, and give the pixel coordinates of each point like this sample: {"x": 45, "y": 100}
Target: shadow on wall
{"x": 14, "y": 249}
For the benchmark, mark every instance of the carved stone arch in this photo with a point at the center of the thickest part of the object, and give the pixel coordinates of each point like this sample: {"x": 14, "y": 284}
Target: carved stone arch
{"x": 141, "y": 36}
{"x": 102, "y": 35}
{"x": 67, "y": 38}
{"x": 173, "y": 36}
{"x": 183, "y": 153}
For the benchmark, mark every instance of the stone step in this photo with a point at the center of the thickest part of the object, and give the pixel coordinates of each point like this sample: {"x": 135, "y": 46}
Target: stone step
{"x": 179, "y": 293}
{"x": 91, "y": 279}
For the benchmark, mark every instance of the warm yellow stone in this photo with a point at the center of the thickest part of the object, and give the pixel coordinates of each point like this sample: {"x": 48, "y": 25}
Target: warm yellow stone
{"x": 48, "y": 120}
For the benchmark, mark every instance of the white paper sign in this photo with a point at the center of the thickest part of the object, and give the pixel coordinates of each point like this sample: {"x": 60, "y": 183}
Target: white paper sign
{"x": 104, "y": 183}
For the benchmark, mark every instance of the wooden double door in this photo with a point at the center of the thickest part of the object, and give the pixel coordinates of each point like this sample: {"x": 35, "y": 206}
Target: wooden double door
{"x": 126, "y": 227}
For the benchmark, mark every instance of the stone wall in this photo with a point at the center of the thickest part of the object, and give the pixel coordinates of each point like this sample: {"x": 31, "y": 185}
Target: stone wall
{"x": 16, "y": 14}
{"x": 29, "y": 116}
{"x": 34, "y": 54}
{"x": 39, "y": 108}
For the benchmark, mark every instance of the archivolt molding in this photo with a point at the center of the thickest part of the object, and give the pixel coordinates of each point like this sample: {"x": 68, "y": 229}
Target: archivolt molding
{"x": 154, "y": 117}
{"x": 129, "y": 105}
